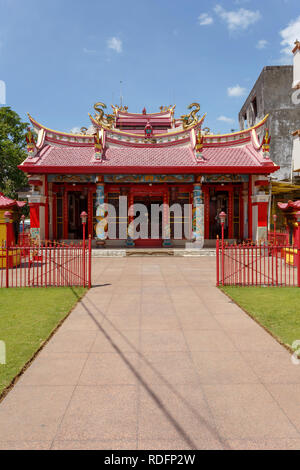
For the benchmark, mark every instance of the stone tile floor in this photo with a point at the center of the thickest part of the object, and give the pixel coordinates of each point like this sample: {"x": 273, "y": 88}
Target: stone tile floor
{"x": 156, "y": 357}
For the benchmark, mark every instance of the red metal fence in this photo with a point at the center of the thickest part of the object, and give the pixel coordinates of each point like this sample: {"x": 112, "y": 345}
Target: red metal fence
{"x": 264, "y": 264}
{"x": 46, "y": 264}
{"x": 280, "y": 238}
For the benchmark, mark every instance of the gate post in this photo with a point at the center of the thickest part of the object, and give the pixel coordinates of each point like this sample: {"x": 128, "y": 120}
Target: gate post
{"x": 90, "y": 263}
{"x": 297, "y": 244}
{"x": 7, "y": 261}
{"x": 218, "y": 261}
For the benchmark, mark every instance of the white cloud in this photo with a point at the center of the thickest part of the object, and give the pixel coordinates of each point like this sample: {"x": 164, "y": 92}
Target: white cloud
{"x": 75, "y": 130}
{"x": 239, "y": 19}
{"x": 226, "y": 119}
{"x": 289, "y": 36}
{"x": 236, "y": 91}
{"x": 115, "y": 44}
{"x": 89, "y": 51}
{"x": 262, "y": 44}
{"x": 205, "y": 19}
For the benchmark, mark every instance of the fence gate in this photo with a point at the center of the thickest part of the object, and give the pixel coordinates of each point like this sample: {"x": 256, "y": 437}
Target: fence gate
{"x": 46, "y": 264}
{"x": 263, "y": 264}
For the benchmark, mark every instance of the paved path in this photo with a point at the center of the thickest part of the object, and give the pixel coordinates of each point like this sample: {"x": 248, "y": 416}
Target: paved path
{"x": 155, "y": 357}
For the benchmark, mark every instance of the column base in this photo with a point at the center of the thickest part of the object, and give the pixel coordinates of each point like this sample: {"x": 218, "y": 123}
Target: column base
{"x": 130, "y": 243}
{"x": 100, "y": 242}
{"x": 198, "y": 242}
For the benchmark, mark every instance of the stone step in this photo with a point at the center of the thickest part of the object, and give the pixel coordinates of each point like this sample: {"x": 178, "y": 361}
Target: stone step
{"x": 166, "y": 252}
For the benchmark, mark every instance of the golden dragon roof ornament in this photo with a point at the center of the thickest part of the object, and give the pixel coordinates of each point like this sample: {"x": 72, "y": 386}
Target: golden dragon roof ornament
{"x": 102, "y": 119}
{"x": 117, "y": 108}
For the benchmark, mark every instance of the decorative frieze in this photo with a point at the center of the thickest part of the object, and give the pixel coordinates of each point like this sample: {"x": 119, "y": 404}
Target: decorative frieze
{"x": 234, "y": 178}
{"x": 71, "y": 178}
{"x": 149, "y": 178}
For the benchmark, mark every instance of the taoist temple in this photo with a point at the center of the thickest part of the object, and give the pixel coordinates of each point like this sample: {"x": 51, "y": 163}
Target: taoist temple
{"x": 148, "y": 158}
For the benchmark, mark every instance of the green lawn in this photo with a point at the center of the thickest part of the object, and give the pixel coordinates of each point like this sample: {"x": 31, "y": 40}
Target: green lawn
{"x": 27, "y": 318}
{"x": 276, "y": 308}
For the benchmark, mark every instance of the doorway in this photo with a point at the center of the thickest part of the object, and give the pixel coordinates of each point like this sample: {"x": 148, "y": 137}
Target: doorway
{"x": 149, "y": 220}
{"x": 219, "y": 201}
{"x": 77, "y": 202}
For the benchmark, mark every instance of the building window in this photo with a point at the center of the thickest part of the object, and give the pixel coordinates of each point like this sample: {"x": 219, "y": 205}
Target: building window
{"x": 254, "y": 108}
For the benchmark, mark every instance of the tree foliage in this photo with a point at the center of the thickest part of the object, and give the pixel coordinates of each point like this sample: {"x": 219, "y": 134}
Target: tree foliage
{"x": 12, "y": 151}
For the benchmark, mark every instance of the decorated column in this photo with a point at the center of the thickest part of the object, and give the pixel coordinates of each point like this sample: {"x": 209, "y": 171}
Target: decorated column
{"x": 101, "y": 225}
{"x": 166, "y": 221}
{"x": 130, "y": 229}
{"x": 198, "y": 216}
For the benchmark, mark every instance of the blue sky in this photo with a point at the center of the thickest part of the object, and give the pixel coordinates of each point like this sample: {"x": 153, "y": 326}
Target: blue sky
{"x": 59, "y": 57}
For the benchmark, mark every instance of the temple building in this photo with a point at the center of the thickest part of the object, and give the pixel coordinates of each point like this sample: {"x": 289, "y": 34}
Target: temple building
{"x": 146, "y": 159}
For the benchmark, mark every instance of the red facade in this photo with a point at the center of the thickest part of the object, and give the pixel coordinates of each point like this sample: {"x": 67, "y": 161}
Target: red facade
{"x": 148, "y": 158}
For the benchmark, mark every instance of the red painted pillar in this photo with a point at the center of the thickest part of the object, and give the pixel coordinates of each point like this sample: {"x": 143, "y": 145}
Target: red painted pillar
{"x": 261, "y": 202}
{"x": 250, "y": 234}
{"x": 34, "y": 209}
{"x": 54, "y": 212}
{"x": 241, "y": 214}
{"x": 90, "y": 212}
{"x": 262, "y": 216}
{"x": 297, "y": 244}
{"x": 46, "y": 210}
{"x": 230, "y": 214}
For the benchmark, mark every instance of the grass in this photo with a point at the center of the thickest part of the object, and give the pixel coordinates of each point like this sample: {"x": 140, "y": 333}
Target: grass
{"x": 28, "y": 316}
{"x": 276, "y": 308}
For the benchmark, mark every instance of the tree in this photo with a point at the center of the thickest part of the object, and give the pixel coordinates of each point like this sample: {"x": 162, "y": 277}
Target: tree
{"x": 12, "y": 151}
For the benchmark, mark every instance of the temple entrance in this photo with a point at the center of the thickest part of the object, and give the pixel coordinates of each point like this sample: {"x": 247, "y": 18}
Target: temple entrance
{"x": 77, "y": 202}
{"x": 219, "y": 201}
{"x": 149, "y": 220}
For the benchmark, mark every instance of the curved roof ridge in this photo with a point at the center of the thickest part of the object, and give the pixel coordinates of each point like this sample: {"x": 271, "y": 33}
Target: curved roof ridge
{"x": 248, "y": 130}
{"x": 69, "y": 134}
{"x": 165, "y": 134}
{"x": 173, "y": 132}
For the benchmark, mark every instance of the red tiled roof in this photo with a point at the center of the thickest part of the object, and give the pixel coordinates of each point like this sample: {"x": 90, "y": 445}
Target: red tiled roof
{"x": 293, "y": 205}
{"x": 146, "y": 157}
{"x": 6, "y": 202}
{"x": 231, "y": 156}
{"x": 116, "y": 156}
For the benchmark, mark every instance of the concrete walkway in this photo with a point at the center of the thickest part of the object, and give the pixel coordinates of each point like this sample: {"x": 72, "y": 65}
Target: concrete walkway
{"x": 155, "y": 357}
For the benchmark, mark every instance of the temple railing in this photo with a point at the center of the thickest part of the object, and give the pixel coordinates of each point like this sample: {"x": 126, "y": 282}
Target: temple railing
{"x": 261, "y": 264}
{"x": 46, "y": 264}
